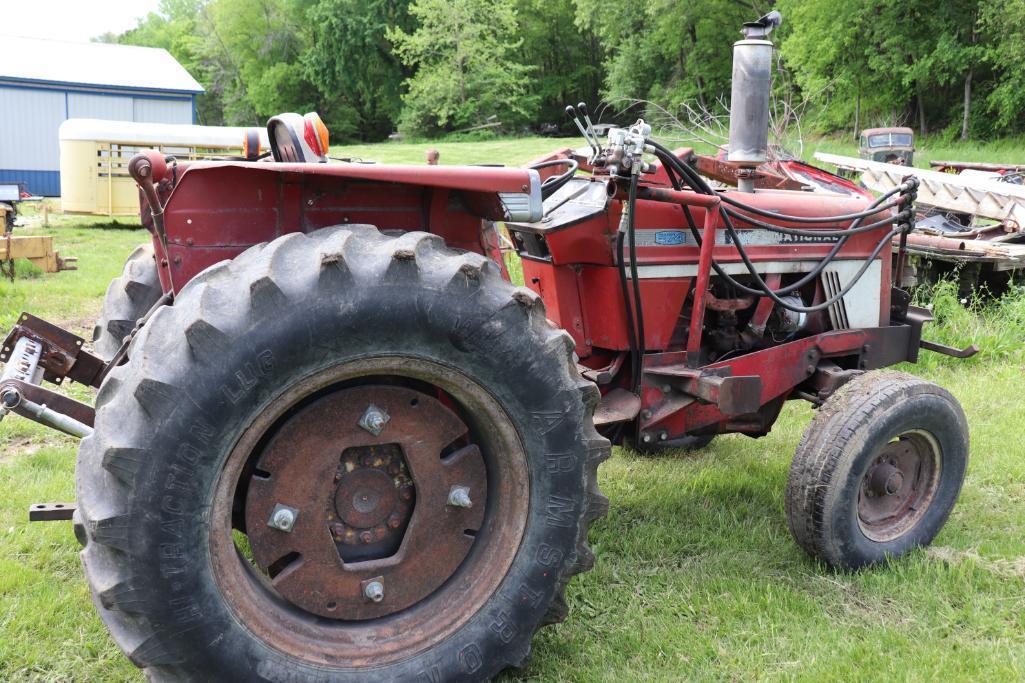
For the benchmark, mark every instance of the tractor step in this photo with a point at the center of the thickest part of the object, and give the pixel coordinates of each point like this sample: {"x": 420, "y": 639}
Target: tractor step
{"x": 51, "y": 512}
{"x": 617, "y": 405}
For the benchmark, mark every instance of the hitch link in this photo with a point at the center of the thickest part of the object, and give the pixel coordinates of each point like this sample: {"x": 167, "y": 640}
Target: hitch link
{"x": 12, "y": 399}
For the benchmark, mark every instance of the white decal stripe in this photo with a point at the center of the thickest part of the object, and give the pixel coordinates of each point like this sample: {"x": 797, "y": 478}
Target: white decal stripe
{"x": 753, "y": 237}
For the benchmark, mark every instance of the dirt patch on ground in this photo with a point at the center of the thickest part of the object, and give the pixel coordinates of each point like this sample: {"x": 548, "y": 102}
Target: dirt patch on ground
{"x": 18, "y": 446}
{"x": 82, "y": 326}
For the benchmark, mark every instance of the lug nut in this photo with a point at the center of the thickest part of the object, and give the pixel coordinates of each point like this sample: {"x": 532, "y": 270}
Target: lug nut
{"x": 394, "y": 521}
{"x": 374, "y": 419}
{"x": 459, "y": 497}
{"x": 366, "y": 537}
{"x": 282, "y": 518}
{"x": 374, "y": 591}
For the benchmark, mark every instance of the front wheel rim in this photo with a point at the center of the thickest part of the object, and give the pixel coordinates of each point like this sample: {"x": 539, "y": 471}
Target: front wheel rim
{"x": 899, "y": 486}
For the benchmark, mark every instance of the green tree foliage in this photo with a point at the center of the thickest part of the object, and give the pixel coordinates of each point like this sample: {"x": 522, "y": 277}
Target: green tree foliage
{"x": 914, "y": 61}
{"x": 567, "y": 58}
{"x": 353, "y": 64}
{"x": 667, "y": 51}
{"x": 464, "y": 53}
{"x": 1005, "y": 21}
{"x": 956, "y": 67}
{"x": 259, "y": 43}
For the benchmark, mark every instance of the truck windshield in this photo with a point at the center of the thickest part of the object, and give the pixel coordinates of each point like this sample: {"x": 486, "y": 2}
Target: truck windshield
{"x": 889, "y": 140}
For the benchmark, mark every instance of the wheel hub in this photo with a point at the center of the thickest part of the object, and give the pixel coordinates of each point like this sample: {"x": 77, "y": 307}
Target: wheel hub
{"x": 886, "y": 480}
{"x": 898, "y": 487}
{"x": 374, "y": 529}
{"x": 374, "y": 502}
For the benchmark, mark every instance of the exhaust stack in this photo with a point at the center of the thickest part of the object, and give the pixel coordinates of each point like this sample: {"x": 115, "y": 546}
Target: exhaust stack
{"x": 749, "y": 98}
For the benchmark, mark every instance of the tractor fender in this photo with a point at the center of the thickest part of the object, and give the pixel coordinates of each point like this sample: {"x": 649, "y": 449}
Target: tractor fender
{"x": 216, "y": 210}
{"x": 497, "y": 193}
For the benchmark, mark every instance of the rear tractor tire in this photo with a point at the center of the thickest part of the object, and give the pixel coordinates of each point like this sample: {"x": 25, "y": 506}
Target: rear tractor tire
{"x": 128, "y": 298}
{"x": 878, "y": 470}
{"x": 340, "y": 457}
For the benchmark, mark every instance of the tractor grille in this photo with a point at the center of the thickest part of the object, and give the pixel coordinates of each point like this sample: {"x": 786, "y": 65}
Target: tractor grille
{"x": 832, "y": 283}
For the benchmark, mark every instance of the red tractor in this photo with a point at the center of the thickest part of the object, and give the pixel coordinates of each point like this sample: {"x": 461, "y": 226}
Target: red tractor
{"x": 332, "y": 441}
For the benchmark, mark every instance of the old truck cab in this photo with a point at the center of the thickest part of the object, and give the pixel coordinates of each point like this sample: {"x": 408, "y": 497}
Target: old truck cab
{"x": 888, "y": 145}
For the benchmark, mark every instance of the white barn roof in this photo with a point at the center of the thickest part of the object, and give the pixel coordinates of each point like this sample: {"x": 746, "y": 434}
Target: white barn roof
{"x": 97, "y": 65}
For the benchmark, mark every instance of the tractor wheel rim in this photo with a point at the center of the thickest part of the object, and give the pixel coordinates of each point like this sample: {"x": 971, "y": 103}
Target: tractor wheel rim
{"x": 316, "y": 586}
{"x": 367, "y": 507}
{"x": 899, "y": 486}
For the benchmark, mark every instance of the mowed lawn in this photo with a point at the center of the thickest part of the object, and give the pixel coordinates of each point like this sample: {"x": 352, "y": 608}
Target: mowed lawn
{"x": 696, "y": 574}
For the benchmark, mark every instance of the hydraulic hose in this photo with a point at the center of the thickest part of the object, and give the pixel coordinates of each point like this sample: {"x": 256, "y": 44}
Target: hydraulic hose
{"x": 699, "y": 185}
{"x": 551, "y": 185}
{"x": 635, "y": 279}
{"x": 824, "y": 233}
{"x": 815, "y": 219}
{"x": 627, "y": 304}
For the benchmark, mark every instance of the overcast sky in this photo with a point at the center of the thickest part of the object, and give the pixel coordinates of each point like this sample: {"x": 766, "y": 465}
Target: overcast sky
{"x": 71, "y": 20}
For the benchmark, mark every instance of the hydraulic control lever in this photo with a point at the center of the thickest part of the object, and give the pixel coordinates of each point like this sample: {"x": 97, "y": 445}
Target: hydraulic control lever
{"x": 582, "y": 106}
{"x": 595, "y": 147}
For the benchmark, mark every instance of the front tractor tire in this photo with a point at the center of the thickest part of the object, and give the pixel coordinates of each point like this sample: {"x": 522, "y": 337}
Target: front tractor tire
{"x": 877, "y": 471}
{"x": 340, "y": 457}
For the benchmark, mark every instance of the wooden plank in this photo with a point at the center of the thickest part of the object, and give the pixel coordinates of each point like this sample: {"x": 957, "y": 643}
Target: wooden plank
{"x": 36, "y": 248}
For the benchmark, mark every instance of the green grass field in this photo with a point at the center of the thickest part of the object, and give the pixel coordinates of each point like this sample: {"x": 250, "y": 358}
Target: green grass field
{"x": 696, "y": 576}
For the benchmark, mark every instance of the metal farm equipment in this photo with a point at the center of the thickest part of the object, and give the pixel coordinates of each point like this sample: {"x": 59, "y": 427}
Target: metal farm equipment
{"x": 332, "y": 441}
{"x": 969, "y": 223}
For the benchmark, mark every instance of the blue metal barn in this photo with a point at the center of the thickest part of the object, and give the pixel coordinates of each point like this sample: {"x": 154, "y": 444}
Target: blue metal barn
{"x": 44, "y": 82}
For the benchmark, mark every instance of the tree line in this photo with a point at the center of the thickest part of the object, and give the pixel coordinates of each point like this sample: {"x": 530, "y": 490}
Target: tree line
{"x": 428, "y": 67}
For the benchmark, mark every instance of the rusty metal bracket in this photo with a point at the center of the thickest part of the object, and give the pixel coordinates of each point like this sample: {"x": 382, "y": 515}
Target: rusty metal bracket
{"x": 738, "y": 395}
{"x": 828, "y": 378}
{"x": 51, "y": 512}
{"x": 966, "y": 352}
{"x": 62, "y": 355}
{"x": 603, "y": 375}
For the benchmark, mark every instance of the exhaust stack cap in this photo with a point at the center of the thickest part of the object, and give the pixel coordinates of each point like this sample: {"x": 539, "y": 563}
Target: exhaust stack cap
{"x": 751, "y": 88}
{"x": 763, "y": 27}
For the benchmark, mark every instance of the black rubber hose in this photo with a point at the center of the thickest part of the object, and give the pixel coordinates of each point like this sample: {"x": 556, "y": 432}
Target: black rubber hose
{"x": 763, "y": 289}
{"x": 627, "y": 305}
{"x": 635, "y": 279}
{"x": 808, "y": 277}
{"x": 846, "y": 232}
{"x": 551, "y": 185}
{"x": 671, "y": 174}
{"x": 816, "y": 219}
{"x": 701, "y": 186}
